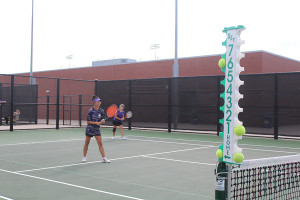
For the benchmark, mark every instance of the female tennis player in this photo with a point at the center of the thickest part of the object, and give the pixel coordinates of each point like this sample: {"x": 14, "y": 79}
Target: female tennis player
{"x": 95, "y": 117}
{"x": 117, "y": 121}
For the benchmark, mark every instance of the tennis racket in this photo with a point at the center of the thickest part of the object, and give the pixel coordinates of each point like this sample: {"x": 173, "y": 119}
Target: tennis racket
{"x": 111, "y": 111}
{"x": 128, "y": 114}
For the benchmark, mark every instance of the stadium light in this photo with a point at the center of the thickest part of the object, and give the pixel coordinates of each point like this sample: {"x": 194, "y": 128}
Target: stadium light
{"x": 69, "y": 57}
{"x": 155, "y": 47}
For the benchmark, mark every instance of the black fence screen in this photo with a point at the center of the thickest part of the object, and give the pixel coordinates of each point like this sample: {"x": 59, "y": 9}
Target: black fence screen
{"x": 25, "y": 103}
{"x": 25, "y": 100}
{"x": 270, "y": 105}
{"x": 271, "y": 102}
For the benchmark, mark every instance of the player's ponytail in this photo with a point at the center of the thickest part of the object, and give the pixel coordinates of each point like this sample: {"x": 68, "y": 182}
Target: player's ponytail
{"x": 94, "y": 97}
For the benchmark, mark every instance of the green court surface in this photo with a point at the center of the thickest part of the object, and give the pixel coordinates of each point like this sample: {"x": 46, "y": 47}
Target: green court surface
{"x": 46, "y": 164}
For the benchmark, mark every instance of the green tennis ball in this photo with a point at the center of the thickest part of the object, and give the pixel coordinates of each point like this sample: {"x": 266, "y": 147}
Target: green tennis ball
{"x": 239, "y": 130}
{"x": 238, "y": 157}
{"x": 219, "y": 153}
{"x": 222, "y": 63}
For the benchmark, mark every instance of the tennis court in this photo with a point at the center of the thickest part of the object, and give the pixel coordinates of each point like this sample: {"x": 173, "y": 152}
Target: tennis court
{"x": 46, "y": 164}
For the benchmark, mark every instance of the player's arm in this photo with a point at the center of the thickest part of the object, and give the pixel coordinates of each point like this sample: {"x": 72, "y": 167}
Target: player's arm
{"x": 104, "y": 117}
{"x": 95, "y": 123}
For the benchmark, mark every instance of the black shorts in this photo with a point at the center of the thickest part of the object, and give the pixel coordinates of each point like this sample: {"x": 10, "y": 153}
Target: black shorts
{"x": 92, "y": 131}
{"x": 116, "y": 123}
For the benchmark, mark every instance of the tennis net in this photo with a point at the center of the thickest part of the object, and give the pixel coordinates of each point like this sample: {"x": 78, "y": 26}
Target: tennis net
{"x": 270, "y": 178}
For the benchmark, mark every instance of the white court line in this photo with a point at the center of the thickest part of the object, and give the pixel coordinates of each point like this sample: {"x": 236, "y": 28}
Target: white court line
{"x": 122, "y": 158}
{"x": 53, "y": 141}
{"x": 184, "y": 161}
{"x": 204, "y": 141}
{"x": 72, "y": 185}
{"x": 267, "y": 150}
{"x": 159, "y": 141}
{"x": 153, "y": 141}
{"x": 5, "y": 198}
{"x": 138, "y": 136}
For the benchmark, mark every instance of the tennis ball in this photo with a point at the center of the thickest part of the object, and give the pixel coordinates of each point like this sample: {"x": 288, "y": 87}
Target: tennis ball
{"x": 222, "y": 63}
{"x": 239, "y": 130}
{"x": 238, "y": 157}
{"x": 219, "y": 153}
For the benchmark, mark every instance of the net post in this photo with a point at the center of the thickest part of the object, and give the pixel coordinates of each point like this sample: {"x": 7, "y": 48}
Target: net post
{"x": 12, "y": 85}
{"x": 57, "y": 103}
{"x": 221, "y": 189}
{"x": 228, "y": 187}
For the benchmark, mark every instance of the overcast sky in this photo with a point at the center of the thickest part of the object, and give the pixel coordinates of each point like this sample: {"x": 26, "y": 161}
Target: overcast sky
{"x": 106, "y": 29}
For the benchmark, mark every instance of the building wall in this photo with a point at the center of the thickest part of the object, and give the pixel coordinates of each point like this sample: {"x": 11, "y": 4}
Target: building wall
{"x": 273, "y": 64}
{"x": 254, "y": 63}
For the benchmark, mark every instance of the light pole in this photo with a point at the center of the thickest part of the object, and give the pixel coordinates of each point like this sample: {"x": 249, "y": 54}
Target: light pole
{"x": 31, "y": 53}
{"x": 175, "y": 71}
{"x": 69, "y": 57}
{"x": 155, "y": 47}
{"x": 176, "y": 66}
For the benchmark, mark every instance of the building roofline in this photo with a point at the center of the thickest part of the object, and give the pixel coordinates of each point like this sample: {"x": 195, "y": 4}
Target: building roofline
{"x": 167, "y": 59}
{"x": 274, "y": 54}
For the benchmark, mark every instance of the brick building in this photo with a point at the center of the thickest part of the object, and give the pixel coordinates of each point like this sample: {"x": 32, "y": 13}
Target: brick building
{"x": 256, "y": 62}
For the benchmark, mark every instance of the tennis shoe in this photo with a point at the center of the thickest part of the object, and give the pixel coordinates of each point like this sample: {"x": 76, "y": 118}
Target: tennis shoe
{"x": 113, "y": 138}
{"x": 105, "y": 160}
{"x": 83, "y": 159}
{"x": 123, "y": 138}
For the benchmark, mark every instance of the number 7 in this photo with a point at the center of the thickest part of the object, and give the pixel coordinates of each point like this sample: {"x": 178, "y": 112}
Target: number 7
{"x": 231, "y": 45}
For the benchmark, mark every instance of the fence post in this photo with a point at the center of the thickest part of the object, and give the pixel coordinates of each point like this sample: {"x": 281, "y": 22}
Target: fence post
{"x": 11, "y": 120}
{"x": 169, "y": 104}
{"x": 63, "y": 110}
{"x": 47, "y": 114}
{"x": 37, "y": 100}
{"x": 95, "y": 87}
{"x": 1, "y": 104}
{"x": 129, "y": 103}
{"x": 80, "y": 109}
{"x": 57, "y": 103}
{"x": 175, "y": 100}
{"x": 276, "y": 106}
